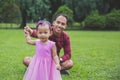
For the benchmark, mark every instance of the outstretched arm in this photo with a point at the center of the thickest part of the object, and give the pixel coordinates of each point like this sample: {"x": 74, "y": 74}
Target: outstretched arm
{"x": 55, "y": 57}
{"x": 28, "y": 38}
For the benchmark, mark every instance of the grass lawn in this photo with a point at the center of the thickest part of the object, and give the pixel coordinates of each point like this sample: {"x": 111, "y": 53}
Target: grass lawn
{"x": 96, "y": 55}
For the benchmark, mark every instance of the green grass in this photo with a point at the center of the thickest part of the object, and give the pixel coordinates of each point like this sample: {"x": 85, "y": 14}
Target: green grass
{"x": 96, "y": 55}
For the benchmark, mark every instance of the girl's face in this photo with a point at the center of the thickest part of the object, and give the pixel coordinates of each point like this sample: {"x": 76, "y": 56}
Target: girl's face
{"x": 60, "y": 24}
{"x": 43, "y": 33}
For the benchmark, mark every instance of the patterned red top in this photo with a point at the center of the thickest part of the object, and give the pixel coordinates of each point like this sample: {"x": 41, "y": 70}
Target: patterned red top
{"x": 62, "y": 41}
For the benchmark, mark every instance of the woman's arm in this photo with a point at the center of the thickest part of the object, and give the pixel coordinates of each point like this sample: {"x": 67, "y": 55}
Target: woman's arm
{"x": 66, "y": 48}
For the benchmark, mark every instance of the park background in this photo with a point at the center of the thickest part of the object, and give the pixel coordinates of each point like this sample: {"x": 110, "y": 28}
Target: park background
{"x": 93, "y": 28}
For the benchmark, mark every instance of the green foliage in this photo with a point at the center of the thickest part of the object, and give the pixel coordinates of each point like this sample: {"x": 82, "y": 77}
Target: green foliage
{"x": 95, "y": 21}
{"x": 113, "y": 20}
{"x": 76, "y": 25}
{"x": 82, "y": 8}
{"x": 83, "y": 24}
{"x": 66, "y": 10}
{"x": 36, "y": 9}
{"x": 10, "y": 13}
{"x": 110, "y": 21}
{"x": 33, "y": 10}
{"x": 40, "y": 10}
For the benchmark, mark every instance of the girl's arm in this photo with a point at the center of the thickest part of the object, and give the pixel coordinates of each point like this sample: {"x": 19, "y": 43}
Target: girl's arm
{"x": 28, "y": 38}
{"x": 55, "y": 57}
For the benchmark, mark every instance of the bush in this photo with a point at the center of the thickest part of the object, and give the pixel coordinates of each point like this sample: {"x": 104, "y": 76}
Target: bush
{"x": 113, "y": 20}
{"x": 76, "y": 25}
{"x": 10, "y": 13}
{"x": 94, "y": 21}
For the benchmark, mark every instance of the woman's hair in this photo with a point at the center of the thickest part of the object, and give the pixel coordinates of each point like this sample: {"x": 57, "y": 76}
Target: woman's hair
{"x": 61, "y": 14}
{"x": 43, "y": 23}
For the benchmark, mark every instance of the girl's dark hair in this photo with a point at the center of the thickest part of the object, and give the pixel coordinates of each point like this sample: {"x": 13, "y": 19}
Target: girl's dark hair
{"x": 43, "y": 23}
{"x": 61, "y": 14}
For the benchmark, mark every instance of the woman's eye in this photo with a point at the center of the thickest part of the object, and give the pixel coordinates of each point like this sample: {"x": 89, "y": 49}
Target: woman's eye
{"x": 63, "y": 24}
{"x": 58, "y": 22}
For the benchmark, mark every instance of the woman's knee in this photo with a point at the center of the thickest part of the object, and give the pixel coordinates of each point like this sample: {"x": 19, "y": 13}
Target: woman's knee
{"x": 71, "y": 63}
{"x": 26, "y": 61}
{"x": 67, "y": 64}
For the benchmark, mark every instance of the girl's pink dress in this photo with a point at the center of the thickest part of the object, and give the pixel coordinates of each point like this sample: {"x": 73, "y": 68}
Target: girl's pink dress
{"x": 42, "y": 66}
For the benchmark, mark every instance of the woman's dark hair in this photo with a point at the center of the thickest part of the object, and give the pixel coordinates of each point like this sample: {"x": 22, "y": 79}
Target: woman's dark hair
{"x": 61, "y": 14}
{"x": 43, "y": 23}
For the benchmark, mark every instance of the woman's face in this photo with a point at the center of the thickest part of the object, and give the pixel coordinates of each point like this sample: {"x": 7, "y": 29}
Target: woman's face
{"x": 60, "y": 24}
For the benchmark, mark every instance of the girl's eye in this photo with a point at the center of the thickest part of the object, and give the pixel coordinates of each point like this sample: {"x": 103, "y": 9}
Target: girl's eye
{"x": 45, "y": 32}
{"x": 40, "y": 32}
{"x": 63, "y": 24}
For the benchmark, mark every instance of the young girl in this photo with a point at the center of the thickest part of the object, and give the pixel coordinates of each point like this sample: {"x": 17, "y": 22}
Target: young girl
{"x": 45, "y": 63}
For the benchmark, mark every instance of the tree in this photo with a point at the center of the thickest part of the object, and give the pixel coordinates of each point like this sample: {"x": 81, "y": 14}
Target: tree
{"x": 114, "y": 4}
{"x": 8, "y": 12}
{"x": 24, "y": 6}
{"x": 81, "y": 8}
{"x": 34, "y": 10}
{"x": 55, "y": 4}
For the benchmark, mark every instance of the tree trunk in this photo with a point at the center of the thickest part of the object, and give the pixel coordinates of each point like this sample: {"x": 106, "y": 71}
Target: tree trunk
{"x": 24, "y": 14}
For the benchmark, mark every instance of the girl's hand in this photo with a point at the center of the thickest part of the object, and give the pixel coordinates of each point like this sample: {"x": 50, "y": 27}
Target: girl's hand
{"x": 26, "y": 33}
{"x": 58, "y": 67}
{"x": 28, "y": 29}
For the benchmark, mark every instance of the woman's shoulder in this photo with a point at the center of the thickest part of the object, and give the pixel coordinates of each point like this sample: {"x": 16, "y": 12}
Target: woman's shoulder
{"x": 65, "y": 35}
